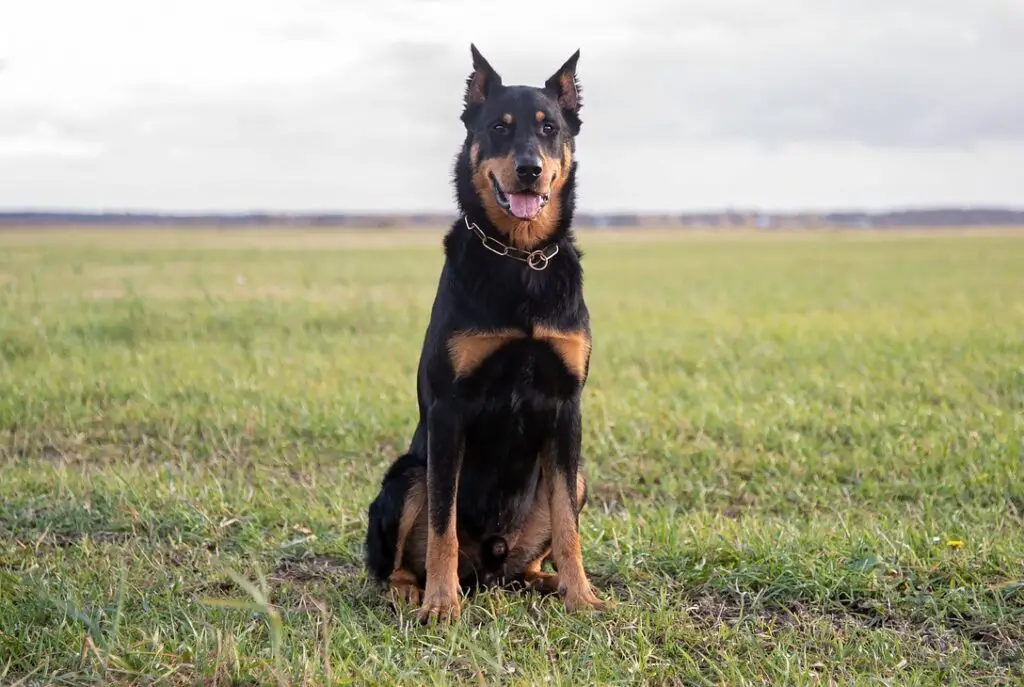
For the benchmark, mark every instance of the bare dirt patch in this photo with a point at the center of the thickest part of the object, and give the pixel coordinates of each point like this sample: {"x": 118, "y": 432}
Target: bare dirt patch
{"x": 323, "y": 568}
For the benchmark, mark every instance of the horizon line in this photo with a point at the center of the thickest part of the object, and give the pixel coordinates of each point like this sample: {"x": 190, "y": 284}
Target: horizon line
{"x": 719, "y": 210}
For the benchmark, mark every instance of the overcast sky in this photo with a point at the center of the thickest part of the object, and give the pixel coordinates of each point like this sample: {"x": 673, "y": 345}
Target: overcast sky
{"x": 689, "y": 104}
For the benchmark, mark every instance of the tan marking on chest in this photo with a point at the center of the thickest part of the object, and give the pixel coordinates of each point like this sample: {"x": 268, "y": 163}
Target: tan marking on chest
{"x": 573, "y": 347}
{"x": 468, "y": 350}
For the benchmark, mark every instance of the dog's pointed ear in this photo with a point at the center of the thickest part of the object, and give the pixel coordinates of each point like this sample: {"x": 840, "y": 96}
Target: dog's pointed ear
{"x": 564, "y": 85}
{"x": 482, "y": 82}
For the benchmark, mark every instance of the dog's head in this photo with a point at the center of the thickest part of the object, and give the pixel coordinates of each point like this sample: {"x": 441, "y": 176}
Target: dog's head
{"x": 519, "y": 148}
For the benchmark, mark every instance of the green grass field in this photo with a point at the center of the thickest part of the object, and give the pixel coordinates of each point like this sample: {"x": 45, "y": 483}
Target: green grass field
{"x": 805, "y": 456}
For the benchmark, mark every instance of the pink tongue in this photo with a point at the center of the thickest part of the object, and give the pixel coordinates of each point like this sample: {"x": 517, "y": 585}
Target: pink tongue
{"x": 524, "y": 205}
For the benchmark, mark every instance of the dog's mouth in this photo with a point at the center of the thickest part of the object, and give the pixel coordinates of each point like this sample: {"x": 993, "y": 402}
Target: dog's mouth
{"x": 525, "y": 205}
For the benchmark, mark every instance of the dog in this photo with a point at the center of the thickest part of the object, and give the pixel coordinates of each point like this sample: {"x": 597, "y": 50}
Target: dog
{"x": 491, "y": 486}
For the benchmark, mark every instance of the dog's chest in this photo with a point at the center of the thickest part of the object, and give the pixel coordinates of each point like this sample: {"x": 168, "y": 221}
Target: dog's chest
{"x": 518, "y": 363}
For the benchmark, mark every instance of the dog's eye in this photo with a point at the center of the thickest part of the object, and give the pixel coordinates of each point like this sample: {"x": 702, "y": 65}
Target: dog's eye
{"x": 547, "y": 129}
{"x": 500, "y": 128}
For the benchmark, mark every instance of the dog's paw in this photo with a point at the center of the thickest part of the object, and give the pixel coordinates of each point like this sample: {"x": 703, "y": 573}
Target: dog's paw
{"x": 441, "y": 608}
{"x": 583, "y": 601}
{"x": 408, "y": 593}
{"x": 402, "y": 587}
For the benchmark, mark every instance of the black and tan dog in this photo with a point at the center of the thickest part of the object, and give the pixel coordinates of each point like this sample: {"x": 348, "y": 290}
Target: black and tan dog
{"x": 491, "y": 485}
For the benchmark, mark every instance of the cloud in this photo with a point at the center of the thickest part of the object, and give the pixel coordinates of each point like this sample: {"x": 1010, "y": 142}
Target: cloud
{"x": 325, "y": 104}
{"x": 12, "y": 148}
{"x": 827, "y": 72}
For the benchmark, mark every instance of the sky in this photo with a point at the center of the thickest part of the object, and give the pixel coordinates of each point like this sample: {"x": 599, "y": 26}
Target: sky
{"x": 319, "y": 105}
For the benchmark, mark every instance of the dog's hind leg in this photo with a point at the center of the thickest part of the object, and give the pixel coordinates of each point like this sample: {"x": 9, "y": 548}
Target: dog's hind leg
{"x": 395, "y": 540}
{"x": 533, "y": 545}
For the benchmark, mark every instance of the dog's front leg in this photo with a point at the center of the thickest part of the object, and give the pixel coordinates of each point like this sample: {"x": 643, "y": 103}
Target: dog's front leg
{"x": 444, "y": 461}
{"x": 562, "y": 462}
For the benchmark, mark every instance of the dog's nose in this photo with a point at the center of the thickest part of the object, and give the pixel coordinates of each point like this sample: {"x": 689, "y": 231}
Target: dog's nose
{"x": 528, "y": 170}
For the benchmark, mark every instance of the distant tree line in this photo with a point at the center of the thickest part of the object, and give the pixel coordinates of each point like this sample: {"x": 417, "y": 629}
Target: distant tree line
{"x": 925, "y": 217}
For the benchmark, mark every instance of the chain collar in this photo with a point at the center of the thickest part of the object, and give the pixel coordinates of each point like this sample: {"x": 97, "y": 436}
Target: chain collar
{"x": 537, "y": 259}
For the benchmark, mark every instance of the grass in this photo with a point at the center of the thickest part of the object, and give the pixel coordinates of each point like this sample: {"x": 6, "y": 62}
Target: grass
{"x": 805, "y": 454}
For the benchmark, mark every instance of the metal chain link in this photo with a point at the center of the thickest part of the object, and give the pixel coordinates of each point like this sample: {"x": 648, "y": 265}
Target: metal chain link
{"x": 536, "y": 260}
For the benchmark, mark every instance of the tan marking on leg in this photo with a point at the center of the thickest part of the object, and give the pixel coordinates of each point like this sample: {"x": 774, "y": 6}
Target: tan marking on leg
{"x": 468, "y": 350}
{"x": 572, "y": 347}
{"x": 441, "y": 599}
{"x": 541, "y": 580}
{"x": 565, "y": 548}
{"x": 402, "y": 582}
{"x": 415, "y": 499}
{"x": 402, "y": 585}
{"x": 532, "y": 545}
{"x": 534, "y": 538}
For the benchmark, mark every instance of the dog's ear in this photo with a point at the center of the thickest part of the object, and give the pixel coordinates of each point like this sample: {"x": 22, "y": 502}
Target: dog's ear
{"x": 565, "y": 87}
{"x": 482, "y": 82}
